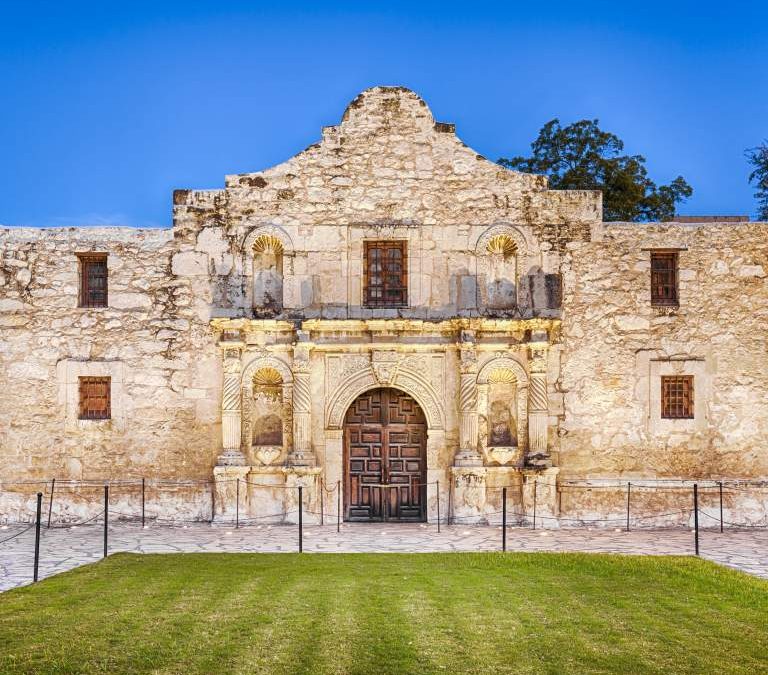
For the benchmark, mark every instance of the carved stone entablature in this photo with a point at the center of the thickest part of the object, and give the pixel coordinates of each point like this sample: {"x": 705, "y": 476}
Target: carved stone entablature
{"x": 420, "y": 375}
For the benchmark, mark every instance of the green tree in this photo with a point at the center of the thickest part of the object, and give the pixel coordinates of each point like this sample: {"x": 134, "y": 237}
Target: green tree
{"x": 758, "y": 158}
{"x": 581, "y": 156}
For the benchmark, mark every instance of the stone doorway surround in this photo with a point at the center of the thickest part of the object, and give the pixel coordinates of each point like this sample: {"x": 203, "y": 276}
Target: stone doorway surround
{"x": 321, "y": 366}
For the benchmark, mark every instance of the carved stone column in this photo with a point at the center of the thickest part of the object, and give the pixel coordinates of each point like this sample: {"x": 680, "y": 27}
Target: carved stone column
{"x": 538, "y": 405}
{"x": 467, "y": 454}
{"x": 302, "y": 454}
{"x": 231, "y": 412}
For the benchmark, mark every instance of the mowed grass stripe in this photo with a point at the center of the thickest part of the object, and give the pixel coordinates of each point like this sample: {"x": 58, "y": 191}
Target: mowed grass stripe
{"x": 387, "y": 613}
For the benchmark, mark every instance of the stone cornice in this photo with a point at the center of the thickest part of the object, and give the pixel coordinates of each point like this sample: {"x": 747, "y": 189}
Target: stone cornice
{"x": 385, "y": 326}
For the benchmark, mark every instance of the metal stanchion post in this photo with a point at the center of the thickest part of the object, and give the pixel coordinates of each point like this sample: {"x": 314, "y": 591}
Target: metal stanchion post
{"x": 437, "y": 484}
{"x": 322, "y": 495}
{"x": 338, "y": 506}
{"x": 301, "y": 523}
{"x": 696, "y": 516}
{"x": 50, "y": 503}
{"x": 213, "y": 501}
{"x": 37, "y": 534}
{"x": 143, "y": 488}
{"x": 106, "y": 517}
{"x": 720, "y": 484}
{"x": 237, "y": 505}
{"x": 534, "y": 503}
{"x": 504, "y": 519}
{"x": 629, "y": 491}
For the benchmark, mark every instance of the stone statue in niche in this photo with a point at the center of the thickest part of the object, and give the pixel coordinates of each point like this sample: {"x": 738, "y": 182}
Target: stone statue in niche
{"x": 267, "y": 425}
{"x": 268, "y": 430}
{"x": 502, "y": 421}
{"x": 503, "y": 429}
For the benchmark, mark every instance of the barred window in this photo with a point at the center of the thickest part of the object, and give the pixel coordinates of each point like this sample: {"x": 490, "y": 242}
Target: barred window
{"x": 386, "y": 276}
{"x": 93, "y": 279}
{"x": 664, "y": 278}
{"x": 677, "y": 397}
{"x": 95, "y": 398}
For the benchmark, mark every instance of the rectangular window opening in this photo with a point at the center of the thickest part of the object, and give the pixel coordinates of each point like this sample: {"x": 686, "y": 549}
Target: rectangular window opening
{"x": 664, "y": 278}
{"x": 677, "y": 397}
{"x": 386, "y": 274}
{"x": 93, "y": 279}
{"x": 95, "y": 400}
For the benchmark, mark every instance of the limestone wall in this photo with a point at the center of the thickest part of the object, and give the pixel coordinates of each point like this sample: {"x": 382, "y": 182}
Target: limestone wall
{"x": 387, "y": 171}
{"x": 150, "y": 340}
{"x": 615, "y": 347}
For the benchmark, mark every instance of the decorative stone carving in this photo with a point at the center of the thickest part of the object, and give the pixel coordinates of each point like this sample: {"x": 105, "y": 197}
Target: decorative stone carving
{"x": 302, "y": 454}
{"x": 267, "y": 454}
{"x": 349, "y": 375}
{"x": 504, "y": 455}
{"x": 264, "y": 233}
{"x": 230, "y": 407}
{"x": 538, "y": 405}
{"x": 469, "y": 493}
{"x": 385, "y": 366}
{"x": 467, "y": 454}
{"x": 503, "y": 423}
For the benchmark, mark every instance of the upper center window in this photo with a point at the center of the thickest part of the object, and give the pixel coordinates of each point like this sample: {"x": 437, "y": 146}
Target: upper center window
{"x": 386, "y": 276}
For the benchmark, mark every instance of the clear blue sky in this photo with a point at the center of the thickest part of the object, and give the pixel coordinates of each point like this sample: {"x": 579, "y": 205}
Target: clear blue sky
{"x": 106, "y": 107}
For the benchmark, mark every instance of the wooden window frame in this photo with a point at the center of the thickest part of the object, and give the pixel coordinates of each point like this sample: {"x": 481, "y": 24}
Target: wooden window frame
{"x": 86, "y": 410}
{"x": 384, "y": 302}
{"x": 665, "y": 287}
{"x": 677, "y": 397}
{"x": 88, "y": 296}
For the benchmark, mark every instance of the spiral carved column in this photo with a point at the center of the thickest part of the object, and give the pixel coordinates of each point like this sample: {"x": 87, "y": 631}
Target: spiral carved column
{"x": 468, "y": 454}
{"x": 538, "y": 408}
{"x": 302, "y": 454}
{"x": 231, "y": 413}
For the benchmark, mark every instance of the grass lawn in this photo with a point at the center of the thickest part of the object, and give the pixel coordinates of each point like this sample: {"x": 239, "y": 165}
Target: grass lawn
{"x": 390, "y": 613}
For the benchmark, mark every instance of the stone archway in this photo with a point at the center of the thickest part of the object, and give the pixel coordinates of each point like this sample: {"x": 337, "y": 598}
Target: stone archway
{"x": 385, "y": 458}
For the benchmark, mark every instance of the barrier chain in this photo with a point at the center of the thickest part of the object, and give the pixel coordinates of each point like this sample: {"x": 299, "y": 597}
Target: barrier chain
{"x": 50, "y": 503}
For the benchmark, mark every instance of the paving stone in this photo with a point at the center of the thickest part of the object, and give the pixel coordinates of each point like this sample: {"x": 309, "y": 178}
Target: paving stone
{"x": 62, "y": 549}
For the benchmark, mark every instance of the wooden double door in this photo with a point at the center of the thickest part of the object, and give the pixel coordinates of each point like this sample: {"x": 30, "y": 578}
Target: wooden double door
{"x": 385, "y": 458}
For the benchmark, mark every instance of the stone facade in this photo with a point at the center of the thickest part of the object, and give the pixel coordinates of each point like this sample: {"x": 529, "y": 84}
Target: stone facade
{"x": 236, "y": 342}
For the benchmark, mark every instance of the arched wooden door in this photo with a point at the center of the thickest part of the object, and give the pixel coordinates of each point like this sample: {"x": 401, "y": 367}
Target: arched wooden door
{"x": 385, "y": 458}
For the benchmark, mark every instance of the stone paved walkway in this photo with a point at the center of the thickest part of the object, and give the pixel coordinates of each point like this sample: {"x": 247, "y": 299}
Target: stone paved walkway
{"x": 63, "y": 548}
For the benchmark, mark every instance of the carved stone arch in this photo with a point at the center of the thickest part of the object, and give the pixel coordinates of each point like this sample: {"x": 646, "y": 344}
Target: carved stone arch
{"x": 355, "y": 385}
{"x": 271, "y": 367}
{"x": 507, "y": 237}
{"x": 507, "y": 363}
{"x": 271, "y": 362}
{"x": 503, "y": 369}
{"x": 263, "y": 233}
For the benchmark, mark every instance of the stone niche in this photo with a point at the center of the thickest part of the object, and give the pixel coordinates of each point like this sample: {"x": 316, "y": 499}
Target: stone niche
{"x": 502, "y": 408}
{"x": 267, "y": 259}
{"x": 266, "y": 418}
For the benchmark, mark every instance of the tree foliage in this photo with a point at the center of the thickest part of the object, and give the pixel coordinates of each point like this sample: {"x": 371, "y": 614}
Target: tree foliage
{"x": 581, "y": 156}
{"x": 758, "y": 158}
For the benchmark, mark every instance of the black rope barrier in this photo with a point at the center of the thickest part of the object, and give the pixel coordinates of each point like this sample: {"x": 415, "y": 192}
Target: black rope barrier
{"x": 18, "y": 534}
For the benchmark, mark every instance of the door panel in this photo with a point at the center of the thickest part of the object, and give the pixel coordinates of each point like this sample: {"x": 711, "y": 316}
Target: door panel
{"x": 385, "y": 464}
